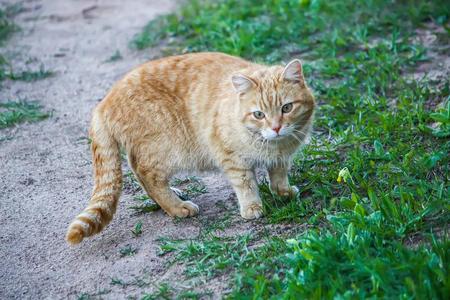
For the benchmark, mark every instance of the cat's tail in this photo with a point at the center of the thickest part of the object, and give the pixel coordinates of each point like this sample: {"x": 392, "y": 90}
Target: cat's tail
{"x": 108, "y": 184}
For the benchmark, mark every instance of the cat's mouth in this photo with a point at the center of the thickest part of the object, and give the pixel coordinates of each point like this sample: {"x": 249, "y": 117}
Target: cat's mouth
{"x": 264, "y": 138}
{"x": 281, "y": 133}
{"x": 276, "y": 138}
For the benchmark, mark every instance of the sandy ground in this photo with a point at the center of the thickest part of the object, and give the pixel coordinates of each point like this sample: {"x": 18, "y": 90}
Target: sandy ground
{"x": 45, "y": 172}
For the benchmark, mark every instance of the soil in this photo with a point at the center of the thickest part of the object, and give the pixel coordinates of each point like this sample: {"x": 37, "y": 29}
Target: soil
{"x": 45, "y": 173}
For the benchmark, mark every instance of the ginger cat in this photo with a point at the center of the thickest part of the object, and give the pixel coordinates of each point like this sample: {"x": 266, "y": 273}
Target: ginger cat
{"x": 202, "y": 111}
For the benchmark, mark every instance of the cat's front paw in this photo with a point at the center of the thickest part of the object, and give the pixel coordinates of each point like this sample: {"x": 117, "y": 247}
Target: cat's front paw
{"x": 252, "y": 211}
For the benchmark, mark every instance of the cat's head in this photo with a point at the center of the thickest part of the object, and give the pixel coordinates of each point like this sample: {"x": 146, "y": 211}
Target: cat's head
{"x": 275, "y": 102}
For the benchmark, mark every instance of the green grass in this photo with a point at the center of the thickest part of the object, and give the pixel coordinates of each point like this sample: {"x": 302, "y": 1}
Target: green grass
{"x": 139, "y": 282}
{"x": 128, "y": 250}
{"x": 374, "y": 179}
{"x": 115, "y": 57}
{"x": 191, "y": 186}
{"x": 13, "y": 112}
{"x": 7, "y": 72}
{"x": 146, "y": 205}
{"x": 30, "y": 75}
{"x": 165, "y": 291}
{"x": 210, "y": 256}
{"x": 270, "y": 30}
{"x": 7, "y": 26}
{"x": 137, "y": 230}
{"x": 91, "y": 296}
{"x": 357, "y": 264}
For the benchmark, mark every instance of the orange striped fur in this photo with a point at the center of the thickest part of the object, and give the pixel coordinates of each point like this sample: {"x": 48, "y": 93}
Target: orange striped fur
{"x": 196, "y": 112}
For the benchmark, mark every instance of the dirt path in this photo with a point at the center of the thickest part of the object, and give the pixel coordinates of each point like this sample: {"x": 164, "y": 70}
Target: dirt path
{"x": 45, "y": 173}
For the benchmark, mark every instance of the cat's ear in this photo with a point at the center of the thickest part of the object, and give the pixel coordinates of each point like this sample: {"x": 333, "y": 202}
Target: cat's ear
{"x": 242, "y": 83}
{"x": 294, "y": 72}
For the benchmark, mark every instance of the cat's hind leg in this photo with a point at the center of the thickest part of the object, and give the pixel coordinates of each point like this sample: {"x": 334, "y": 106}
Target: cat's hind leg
{"x": 155, "y": 180}
{"x": 157, "y": 187}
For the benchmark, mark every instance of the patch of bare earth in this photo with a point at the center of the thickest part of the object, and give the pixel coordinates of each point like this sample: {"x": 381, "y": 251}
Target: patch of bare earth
{"x": 45, "y": 173}
{"x": 435, "y": 39}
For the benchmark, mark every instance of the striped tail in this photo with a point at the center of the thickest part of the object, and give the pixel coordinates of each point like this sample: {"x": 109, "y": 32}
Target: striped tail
{"x": 108, "y": 185}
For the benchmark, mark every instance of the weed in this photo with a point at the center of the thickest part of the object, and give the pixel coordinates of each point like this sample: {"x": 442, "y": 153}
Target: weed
{"x": 115, "y": 57}
{"x": 218, "y": 223}
{"x": 442, "y": 119}
{"x": 7, "y": 28}
{"x": 164, "y": 292}
{"x": 147, "y": 205}
{"x": 84, "y": 140}
{"x": 128, "y": 250}
{"x": 6, "y": 72}
{"x": 88, "y": 296}
{"x": 192, "y": 186}
{"x": 29, "y": 76}
{"x": 5, "y": 138}
{"x": 149, "y": 36}
{"x": 130, "y": 181}
{"x": 14, "y": 112}
{"x": 210, "y": 256}
{"x": 117, "y": 281}
{"x": 190, "y": 294}
{"x": 179, "y": 181}
{"x": 138, "y": 282}
{"x": 137, "y": 231}
{"x": 84, "y": 296}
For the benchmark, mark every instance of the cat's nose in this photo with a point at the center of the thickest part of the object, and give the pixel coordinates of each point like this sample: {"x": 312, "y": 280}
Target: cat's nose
{"x": 277, "y": 129}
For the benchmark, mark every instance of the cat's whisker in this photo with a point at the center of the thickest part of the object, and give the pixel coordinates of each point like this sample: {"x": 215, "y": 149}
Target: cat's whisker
{"x": 300, "y": 131}
{"x": 297, "y": 138}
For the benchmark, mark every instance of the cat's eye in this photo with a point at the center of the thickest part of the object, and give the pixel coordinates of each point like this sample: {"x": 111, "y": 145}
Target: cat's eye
{"x": 286, "y": 108}
{"x": 258, "y": 115}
